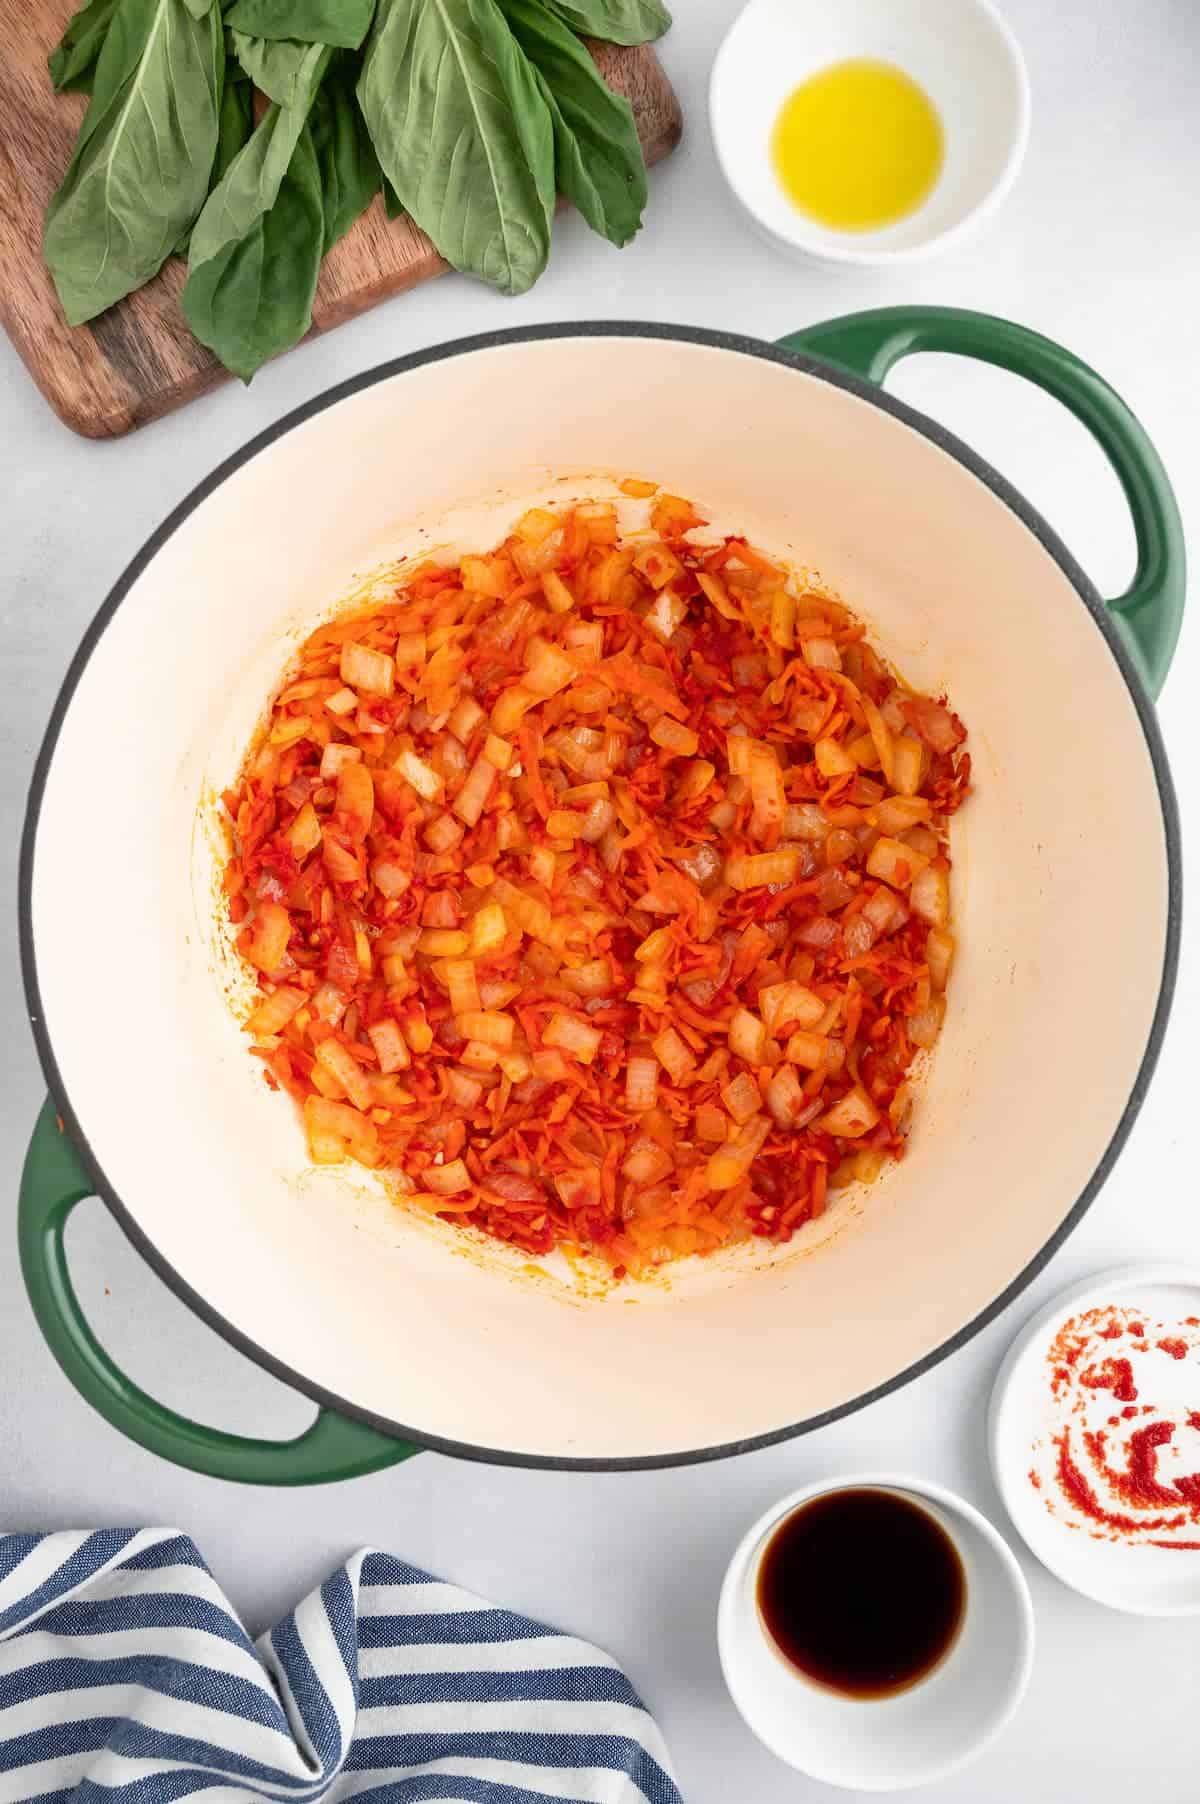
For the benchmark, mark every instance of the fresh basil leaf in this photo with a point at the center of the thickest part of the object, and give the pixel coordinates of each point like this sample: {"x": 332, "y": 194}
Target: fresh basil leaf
{"x": 275, "y": 65}
{"x": 73, "y": 61}
{"x": 617, "y": 21}
{"x": 463, "y": 134}
{"x": 349, "y": 168}
{"x": 197, "y": 8}
{"x": 339, "y": 22}
{"x": 255, "y": 252}
{"x": 254, "y": 297}
{"x": 235, "y": 124}
{"x": 143, "y": 158}
{"x": 252, "y": 181}
{"x": 598, "y": 160}
{"x": 393, "y": 206}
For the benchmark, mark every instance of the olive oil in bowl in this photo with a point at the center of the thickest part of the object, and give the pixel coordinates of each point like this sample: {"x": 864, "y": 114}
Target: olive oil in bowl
{"x": 858, "y": 146}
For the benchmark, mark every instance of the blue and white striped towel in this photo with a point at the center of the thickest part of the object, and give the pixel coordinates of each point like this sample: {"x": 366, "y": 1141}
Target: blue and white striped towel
{"x": 127, "y": 1678}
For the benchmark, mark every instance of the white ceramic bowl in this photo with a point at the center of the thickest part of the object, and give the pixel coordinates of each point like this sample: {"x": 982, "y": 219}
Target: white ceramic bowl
{"x": 922, "y": 1734}
{"x": 960, "y": 51}
{"x": 1143, "y": 1579}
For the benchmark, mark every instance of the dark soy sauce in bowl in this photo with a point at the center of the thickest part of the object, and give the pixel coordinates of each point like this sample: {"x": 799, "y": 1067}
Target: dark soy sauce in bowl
{"x": 862, "y": 1591}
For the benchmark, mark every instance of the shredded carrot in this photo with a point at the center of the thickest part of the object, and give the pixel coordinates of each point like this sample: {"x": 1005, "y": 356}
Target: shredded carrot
{"x": 475, "y": 892}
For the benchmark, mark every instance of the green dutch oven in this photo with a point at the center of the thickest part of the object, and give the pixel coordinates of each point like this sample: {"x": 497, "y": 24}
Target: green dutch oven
{"x": 1067, "y": 901}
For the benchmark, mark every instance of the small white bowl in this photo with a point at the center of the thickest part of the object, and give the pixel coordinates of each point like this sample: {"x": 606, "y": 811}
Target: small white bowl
{"x": 960, "y": 51}
{"x": 1142, "y": 1580}
{"x": 919, "y": 1735}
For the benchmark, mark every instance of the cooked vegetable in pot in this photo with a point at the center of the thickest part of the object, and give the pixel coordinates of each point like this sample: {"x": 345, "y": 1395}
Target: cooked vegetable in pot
{"x": 468, "y": 114}
{"x": 598, "y": 889}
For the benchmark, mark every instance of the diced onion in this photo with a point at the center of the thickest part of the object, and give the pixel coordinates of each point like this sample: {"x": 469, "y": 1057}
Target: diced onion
{"x": 667, "y": 615}
{"x": 674, "y": 1055}
{"x": 785, "y": 1096}
{"x": 646, "y": 1162}
{"x": 443, "y": 942}
{"x": 858, "y": 935}
{"x": 557, "y": 594}
{"x": 753, "y": 870}
{"x": 489, "y": 1025}
{"x": 390, "y": 1046}
{"x": 595, "y": 978}
{"x": 930, "y": 896}
{"x": 730, "y": 1165}
{"x": 275, "y": 1011}
{"x": 341, "y": 1064}
{"x": 822, "y": 654}
{"x": 472, "y": 798}
{"x": 641, "y": 1083}
{"x": 304, "y": 834}
{"x": 925, "y": 1024}
{"x": 784, "y": 1003}
{"x": 334, "y": 756}
{"x": 573, "y": 1036}
{"x": 443, "y": 833}
{"x": 410, "y": 650}
{"x": 674, "y": 738}
{"x": 805, "y": 820}
{"x": 710, "y": 1122}
{"x": 565, "y": 823}
{"x": 832, "y": 759}
{"x": 807, "y": 1049}
{"x": 547, "y": 668}
{"x": 852, "y": 1115}
{"x": 334, "y": 1129}
{"x": 896, "y": 814}
{"x": 448, "y": 1180}
{"x": 908, "y": 759}
{"x": 422, "y": 776}
{"x": 893, "y": 862}
{"x": 370, "y": 672}
{"x": 748, "y": 1036}
{"x": 658, "y": 565}
{"x": 783, "y": 619}
{"x": 598, "y": 820}
{"x": 489, "y": 929}
{"x": 820, "y": 931}
{"x": 880, "y": 733}
{"x": 462, "y": 1089}
{"x": 465, "y": 716}
{"x": 939, "y": 955}
{"x": 266, "y": 941}
{"x": 694, "y": 781}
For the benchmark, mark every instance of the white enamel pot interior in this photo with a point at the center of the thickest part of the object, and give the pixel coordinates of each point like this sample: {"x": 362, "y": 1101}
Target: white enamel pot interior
{"x": 395, "y": 1318}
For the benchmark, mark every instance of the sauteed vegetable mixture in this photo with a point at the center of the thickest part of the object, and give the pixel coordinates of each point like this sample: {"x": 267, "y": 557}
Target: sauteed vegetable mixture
{"x": 598, "y": 889}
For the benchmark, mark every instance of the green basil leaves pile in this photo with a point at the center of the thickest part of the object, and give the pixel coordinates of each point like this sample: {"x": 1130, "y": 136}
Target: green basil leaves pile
{"x": 468, "y": 114}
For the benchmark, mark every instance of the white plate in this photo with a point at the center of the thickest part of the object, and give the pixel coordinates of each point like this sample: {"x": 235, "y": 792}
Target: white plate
{"x": 1143, "y": 1579}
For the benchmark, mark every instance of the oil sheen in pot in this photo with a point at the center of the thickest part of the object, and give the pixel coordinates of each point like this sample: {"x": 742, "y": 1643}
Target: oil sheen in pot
{"x": 862, "y": 1591}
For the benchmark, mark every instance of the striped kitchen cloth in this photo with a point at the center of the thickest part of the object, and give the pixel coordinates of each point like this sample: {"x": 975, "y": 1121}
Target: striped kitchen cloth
{"x": 127, "y": 1678}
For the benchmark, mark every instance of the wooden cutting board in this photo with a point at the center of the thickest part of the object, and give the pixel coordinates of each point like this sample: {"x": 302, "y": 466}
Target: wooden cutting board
{"x": 138, "y": 360}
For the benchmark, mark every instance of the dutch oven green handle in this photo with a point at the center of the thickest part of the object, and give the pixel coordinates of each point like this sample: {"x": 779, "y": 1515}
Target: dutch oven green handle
{"x": 1148, "y": 615}
{"x": 53, "y": 1181}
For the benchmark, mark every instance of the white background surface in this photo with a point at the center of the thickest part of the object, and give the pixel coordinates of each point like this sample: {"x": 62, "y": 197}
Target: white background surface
{"x": 1099, "y": 246}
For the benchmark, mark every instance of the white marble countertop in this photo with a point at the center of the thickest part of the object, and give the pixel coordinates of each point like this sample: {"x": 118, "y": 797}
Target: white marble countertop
{"x": 1099, "y": 247}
